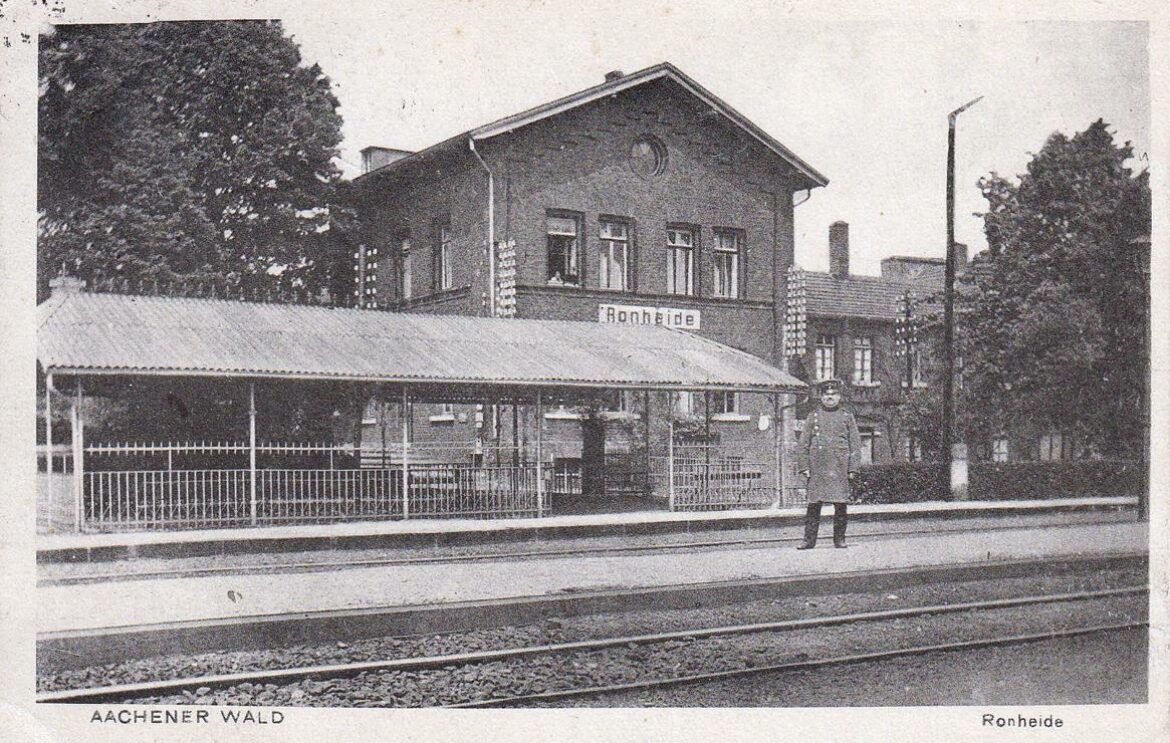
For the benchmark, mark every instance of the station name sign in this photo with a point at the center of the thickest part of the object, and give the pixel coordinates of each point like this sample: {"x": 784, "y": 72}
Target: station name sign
{"x": 632, "y": 314}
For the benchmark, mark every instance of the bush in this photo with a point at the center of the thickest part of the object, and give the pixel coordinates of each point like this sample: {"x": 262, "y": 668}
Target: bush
{"x": 1031, "y": 480}
{"x": 904, "y": 482}
{"x": 927, "y": 481}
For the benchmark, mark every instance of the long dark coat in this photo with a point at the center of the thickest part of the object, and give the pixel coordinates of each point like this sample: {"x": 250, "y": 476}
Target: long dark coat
{"x": 829, "y": 449}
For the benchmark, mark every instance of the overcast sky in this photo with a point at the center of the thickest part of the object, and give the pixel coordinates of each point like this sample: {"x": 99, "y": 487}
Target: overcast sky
{"x": 863, "y": 102}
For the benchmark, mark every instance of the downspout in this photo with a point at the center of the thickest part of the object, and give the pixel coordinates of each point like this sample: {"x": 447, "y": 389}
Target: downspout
{"x": 779, "y": 316}
{"x": 491, "y": 229}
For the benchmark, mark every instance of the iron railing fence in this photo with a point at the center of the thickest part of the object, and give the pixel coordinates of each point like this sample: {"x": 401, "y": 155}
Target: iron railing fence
{"x": 54, "y": 483}
{"x": 168, "y": 485}
{"x": 143, "y": 486}
{"x": 710, "y": 477}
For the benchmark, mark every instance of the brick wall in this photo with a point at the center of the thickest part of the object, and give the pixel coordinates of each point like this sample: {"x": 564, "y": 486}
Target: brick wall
{"x": 450, "y": 187}
{"x": 715, "y": 177}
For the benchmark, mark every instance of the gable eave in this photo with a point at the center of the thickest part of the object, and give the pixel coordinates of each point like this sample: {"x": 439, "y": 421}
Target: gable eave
{"x": 660, "y": 71}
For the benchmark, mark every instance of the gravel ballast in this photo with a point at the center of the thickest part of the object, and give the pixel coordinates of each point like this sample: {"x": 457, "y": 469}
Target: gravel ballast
{"x": 429, "y": 688}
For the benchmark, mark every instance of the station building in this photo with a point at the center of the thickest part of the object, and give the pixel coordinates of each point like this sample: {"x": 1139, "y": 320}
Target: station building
{"x": 642, "y": 200}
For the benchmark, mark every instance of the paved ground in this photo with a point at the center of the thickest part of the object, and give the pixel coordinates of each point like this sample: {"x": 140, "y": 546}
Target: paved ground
{"x": 148, "y": 601}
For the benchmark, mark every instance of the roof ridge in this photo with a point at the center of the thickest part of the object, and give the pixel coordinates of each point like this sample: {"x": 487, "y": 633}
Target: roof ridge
{"x": 586, "y": 95}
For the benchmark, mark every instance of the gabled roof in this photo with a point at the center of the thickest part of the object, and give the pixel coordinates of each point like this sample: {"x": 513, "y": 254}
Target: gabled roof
{"x": 864, "y": 297}
{"x": 661, "y": 71}
{"x": 87, "y": 333}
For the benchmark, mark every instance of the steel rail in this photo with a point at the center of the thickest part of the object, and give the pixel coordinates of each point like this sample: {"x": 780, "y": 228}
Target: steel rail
{"x": 344, "y": 670}
{"x": 326, "y": 565}
{"x": 801, "y": 665}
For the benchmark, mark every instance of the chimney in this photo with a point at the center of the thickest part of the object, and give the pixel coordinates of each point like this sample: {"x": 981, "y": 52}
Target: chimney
{"x": 65, "y": 284}
{"x": 960, "y": 257}
{"x": 374, "y": 157}
{"x": 839, "y": 249}
{"x": 614, "y": 75}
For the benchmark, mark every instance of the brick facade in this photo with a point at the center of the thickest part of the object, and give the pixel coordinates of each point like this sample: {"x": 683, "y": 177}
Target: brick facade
{"x": 717, "y": 178}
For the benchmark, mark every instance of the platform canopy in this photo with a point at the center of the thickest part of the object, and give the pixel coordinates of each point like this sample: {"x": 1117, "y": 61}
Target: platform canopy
{"x": 82, "y": 333}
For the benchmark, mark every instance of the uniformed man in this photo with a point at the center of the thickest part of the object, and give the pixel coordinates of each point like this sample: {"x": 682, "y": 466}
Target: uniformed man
{"x": 829, "y": 457}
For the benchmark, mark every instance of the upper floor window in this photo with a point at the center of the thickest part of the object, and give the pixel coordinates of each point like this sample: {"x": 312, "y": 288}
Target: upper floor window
{"x": 1054, "y": 446}
{"x": 912, "y": 447}
{"x": 680, "y": 261}
{"x": 863, "y": 360}
{"x": 728, "y": 244}
{"x": 999, "y": 449}
{"x": 564, "y": 250}
{"x": 615, "y": 255}
{"x": 443, "y": 256}
{"x": 826, "y": 357}
{"x": 404, "y": 278}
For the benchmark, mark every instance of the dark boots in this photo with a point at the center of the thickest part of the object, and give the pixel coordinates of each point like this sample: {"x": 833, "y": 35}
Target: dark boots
{"x": 839, "y": 520}
{"x": 812, "y": 523}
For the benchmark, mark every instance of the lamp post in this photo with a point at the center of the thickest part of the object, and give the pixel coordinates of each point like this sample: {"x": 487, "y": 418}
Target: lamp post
{"x": 949, "y": 297}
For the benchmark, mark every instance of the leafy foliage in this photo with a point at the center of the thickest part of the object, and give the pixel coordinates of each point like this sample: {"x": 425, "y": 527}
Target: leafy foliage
{"x": 916, "y": 482}
{"x": 902, "y": 482}
{"x": 1035, "y": 480}
{"x": 192, "y": 150}
{"x": 1052, "y": 320}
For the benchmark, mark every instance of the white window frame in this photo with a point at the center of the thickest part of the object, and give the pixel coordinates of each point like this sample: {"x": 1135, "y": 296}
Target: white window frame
{"x": 1054, "y": 447}
{"x": 912, "y": 447}
{"x": 623, "y": 407}
{"x": 726, "y": 259}
{"x": 405, "y": 278}
{"x": 725, "y": 406}
{"x": 868, "y": 441}
{"x": 614, "y": 255}
{"x": 446, "y": 281}
{"x": 825, "y": 350}
{"x": 446, "y": 414}
{"x": 683, "y": 403}
{"x": 863, "y": 360}
{"x": 555, "y": 231}
{"x": 676, "y": 247}
{"x": 1001, "y": 449}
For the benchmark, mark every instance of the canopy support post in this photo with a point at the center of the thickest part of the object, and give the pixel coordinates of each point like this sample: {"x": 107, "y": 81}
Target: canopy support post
{"x": 78, "y": 439}
{"x": 540, "y": 506}
{"x": 646, "y": 491}
{"x": 49, "y": 441}
{"x": 670, "y": 465}
{"x": 252, "y": 513}
{"x": 778, "y": 443}
{"x": 405, "y": 454}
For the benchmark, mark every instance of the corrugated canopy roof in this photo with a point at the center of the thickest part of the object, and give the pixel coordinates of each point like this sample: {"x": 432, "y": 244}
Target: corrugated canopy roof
{"x": 108, "y": 333}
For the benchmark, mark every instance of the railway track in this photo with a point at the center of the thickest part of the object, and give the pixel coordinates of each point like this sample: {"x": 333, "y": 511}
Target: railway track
{"x": 662, "y": 642}
{"x": 473, "y": 556}
{"x": 525, "y": 700}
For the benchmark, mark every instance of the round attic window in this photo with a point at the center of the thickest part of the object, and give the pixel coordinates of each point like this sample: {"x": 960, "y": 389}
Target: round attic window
{"x": 648, "y": 156}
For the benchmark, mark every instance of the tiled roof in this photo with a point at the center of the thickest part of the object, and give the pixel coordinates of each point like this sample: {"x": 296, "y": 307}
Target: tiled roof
{"x": 104, "y": 333}
{"x": 868, "y": 297}
{"x": 663, "y": 70}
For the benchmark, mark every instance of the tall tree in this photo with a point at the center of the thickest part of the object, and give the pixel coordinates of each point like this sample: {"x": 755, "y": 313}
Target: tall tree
{"x": 192, "y": 150}
{"x": 1053, "y": 317}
